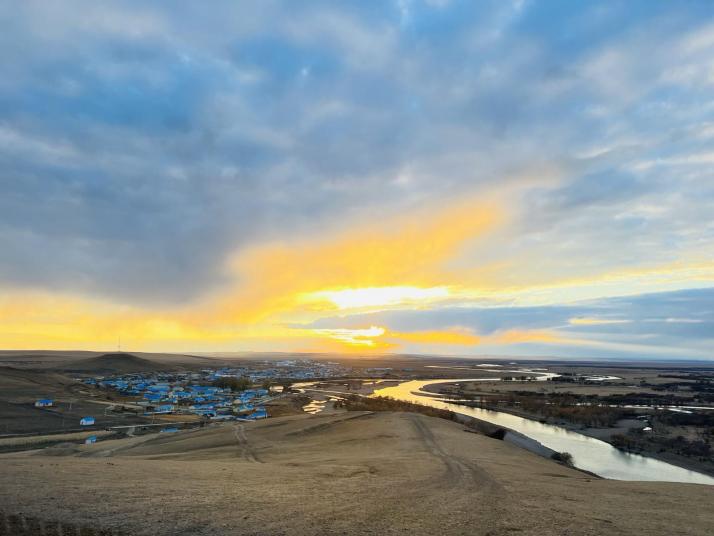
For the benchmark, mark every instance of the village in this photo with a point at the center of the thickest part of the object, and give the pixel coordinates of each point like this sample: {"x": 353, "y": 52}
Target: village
{"x": 189, "y": 394}
{"x": 165, "y": 400}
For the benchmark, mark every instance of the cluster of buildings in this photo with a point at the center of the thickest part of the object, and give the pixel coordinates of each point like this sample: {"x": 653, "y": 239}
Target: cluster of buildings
{"x": 213, "y": 393}
{"x": 288, "y": 369}
{"x": 188, "y": 393}
{"x": 209, "y": 392}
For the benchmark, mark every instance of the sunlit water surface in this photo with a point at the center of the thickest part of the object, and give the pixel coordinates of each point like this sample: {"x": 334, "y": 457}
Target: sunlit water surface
{"x": 588, "y": 453}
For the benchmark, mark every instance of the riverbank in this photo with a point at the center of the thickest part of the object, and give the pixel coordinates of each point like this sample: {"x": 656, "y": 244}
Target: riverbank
{"x": 604, "y": 434}
{"x": 588, "y": 453}
{"x": 362, "y": 403}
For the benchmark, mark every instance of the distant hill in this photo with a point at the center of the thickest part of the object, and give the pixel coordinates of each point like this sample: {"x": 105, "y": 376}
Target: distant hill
{"x": 116, "y": 363}
{"x": 22, "y": 385}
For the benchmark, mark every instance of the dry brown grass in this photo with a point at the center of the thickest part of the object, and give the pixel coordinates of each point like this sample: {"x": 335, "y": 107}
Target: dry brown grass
{"x": 40, "y": 440}
{"x": 20, "y": 525}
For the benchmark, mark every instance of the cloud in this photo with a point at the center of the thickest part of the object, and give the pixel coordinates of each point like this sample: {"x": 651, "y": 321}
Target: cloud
{"x": 206, "y": 168}
{"x": 391, "y": 262}
{"x": 609, "y": 327}
{"x": 589, "y": 321}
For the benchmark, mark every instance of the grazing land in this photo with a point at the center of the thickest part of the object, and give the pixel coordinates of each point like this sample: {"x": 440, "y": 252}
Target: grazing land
{"x": 339, "y": 473}
{"x": 358, "y": 465}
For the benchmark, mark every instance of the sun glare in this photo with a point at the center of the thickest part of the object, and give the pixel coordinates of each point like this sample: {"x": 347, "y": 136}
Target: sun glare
{"x": 379, "y": 296}
{"x": 355, "y": 337}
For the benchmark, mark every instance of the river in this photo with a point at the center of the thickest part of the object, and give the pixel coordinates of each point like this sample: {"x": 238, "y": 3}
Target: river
{"x": 588, "y": 453}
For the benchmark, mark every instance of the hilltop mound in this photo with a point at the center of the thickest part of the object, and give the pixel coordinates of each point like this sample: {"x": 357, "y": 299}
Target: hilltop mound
{"x": 117, "y": 363}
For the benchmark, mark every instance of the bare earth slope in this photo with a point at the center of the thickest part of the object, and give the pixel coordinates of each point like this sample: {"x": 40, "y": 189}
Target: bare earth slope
{"x": 342, "y": 473}
{"x": 115, "y": 363}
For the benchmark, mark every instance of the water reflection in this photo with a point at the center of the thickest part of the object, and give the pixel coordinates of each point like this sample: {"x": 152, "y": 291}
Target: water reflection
{"x": 314, "y": 407}
{"x": 588, "y": 453}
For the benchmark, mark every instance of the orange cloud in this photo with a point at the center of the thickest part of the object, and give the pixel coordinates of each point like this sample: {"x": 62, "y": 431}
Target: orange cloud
{"x": 379, "y": 339}
{"x": 457, "y": 337}
{"x": 375, "y": 339}
{"x": 517, "y": 336}
{"x": 402, "y": 261}
{"x": 405, "y": 252}
{"x": 274, "y": 283}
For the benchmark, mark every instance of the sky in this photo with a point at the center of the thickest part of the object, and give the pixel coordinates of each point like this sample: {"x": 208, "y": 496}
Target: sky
{"x": 514, "y": 178}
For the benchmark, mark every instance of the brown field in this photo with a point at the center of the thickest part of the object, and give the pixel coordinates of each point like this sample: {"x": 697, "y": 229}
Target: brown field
{"x": 339, "y": 473}
{"x": 19, "y": 388}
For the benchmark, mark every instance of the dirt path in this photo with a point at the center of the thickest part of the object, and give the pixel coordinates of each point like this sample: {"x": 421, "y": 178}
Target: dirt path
{"x": 242, "y": 440}
{"x": 458, "y": 470}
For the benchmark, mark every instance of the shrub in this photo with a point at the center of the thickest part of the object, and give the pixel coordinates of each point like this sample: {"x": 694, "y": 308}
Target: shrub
{"x": 563, "y": 457}
{"x": 234, "y": 384}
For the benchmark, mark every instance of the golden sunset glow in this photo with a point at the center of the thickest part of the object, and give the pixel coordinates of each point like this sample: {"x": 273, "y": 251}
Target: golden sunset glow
{"x": 379, "y": 296}
{"x": 295, "y": 185}
{"x": 356, "y": 337}
{"x": 407, "y": 262}
{"x": 281, "y": 284}
{"x": 402, "y": 258}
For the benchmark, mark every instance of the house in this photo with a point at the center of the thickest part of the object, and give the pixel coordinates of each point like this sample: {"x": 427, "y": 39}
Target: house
{"x": 202, "y": 406}
{"x": 169, "y": 430}
{"x": 259, "y": 413}
{"x": 90, "y": 440}
{"x": 44, "y": 403}
{"x": 164, "y": 408}
{"x": 86, "y": 421}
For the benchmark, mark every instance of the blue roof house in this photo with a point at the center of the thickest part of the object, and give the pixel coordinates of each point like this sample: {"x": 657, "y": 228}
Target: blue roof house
{"x": 44, "y": 403}
{"x": 86, "y": 421}
{"x": 259, "y": 413}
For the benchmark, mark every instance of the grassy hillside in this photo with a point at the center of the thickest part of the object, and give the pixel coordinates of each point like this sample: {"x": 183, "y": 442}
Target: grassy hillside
{"x": 341, "y": 473}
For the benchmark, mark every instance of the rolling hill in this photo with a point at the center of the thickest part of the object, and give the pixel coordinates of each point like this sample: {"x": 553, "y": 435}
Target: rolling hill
{"x": 115, "y": 363}
{"x": 347, "y": 473}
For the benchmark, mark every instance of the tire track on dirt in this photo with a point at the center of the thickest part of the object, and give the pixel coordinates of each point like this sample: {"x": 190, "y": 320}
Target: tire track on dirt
{"x": 457, "y": 471}
{"x": 334, "y": 421}
{"x": 246, "y": 451}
